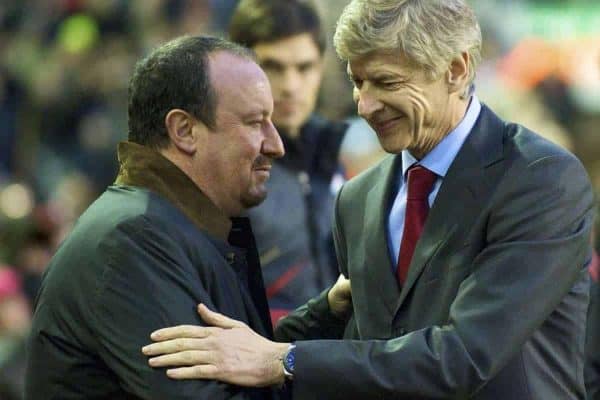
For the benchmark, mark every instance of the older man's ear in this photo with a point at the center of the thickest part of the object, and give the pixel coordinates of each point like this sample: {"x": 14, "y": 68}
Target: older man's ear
{"x": 457, "y": 76}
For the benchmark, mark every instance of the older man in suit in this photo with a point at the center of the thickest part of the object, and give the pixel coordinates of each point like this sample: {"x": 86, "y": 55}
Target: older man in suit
{"x": 466, "y": 249}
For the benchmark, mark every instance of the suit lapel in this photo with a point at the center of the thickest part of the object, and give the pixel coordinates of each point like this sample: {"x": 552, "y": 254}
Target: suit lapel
{"x": 461, "y": 195}
{"x": 377, "y": 261}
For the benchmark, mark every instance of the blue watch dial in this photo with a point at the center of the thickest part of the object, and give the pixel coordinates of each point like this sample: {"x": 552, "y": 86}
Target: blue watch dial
{"x": 289, "y": 361}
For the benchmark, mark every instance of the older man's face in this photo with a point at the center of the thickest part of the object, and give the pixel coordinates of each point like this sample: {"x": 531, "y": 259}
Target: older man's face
{"x": 406, "y": 110}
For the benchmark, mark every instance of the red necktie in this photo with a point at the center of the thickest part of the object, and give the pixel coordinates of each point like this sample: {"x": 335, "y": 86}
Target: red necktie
{"x": 420, "y": 182}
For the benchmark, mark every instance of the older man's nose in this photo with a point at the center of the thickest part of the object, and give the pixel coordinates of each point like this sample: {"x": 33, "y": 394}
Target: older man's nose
{"x": 367, "y": 104}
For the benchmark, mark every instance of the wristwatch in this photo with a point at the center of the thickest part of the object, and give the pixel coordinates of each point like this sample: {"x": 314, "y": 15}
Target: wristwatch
{"x": 289, "y": 362}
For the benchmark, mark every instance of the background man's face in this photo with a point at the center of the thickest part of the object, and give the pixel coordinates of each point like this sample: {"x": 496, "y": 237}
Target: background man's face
{"x": 295, "y": 68}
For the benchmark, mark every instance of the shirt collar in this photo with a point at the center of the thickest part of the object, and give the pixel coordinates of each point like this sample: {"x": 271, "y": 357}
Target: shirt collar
{"x": 441, "y": 156}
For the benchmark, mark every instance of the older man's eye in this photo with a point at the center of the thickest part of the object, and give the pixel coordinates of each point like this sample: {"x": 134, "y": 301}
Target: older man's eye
{"x": 391, "y": 85}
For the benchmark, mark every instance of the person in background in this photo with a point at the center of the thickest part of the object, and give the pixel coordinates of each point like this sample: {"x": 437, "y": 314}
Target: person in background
{"x": 467, "y": 249}
{"x": 293, "y": 225}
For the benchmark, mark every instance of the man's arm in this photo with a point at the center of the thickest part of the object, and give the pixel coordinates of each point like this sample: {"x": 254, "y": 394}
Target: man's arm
{"x": 592, "y": 346}
{"x": 538, "y": 236}
{"x": 209, "y": 352}
{"x": 323, "y": 317}
{"x": 148, "y": 283}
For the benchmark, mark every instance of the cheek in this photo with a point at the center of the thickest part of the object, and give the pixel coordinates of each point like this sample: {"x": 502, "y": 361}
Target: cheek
{"x": 235, "y": 159}
{"x": 315, "y": 79}
{"x": 421, "y": 108}
{"x": 249, "y": 151}
{"x": 399, "y": 101}
{"x": 311, "y": 84}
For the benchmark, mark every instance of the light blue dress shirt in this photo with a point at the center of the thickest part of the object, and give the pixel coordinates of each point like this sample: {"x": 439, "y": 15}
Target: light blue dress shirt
{"x": 437, "y": 160}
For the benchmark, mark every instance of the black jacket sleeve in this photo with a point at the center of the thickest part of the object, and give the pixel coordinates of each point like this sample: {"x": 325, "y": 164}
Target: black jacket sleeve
{"x": 310, "y": 321}
{"x": 149, "y": 283}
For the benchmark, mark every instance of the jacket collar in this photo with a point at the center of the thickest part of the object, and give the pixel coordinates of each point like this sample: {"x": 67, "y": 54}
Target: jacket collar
{"x": 143, "y": 167}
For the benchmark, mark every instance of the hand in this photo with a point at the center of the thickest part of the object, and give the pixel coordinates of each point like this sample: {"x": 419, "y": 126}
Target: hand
{"x": 227, "y": 351}
{"x": 340, "y": 297}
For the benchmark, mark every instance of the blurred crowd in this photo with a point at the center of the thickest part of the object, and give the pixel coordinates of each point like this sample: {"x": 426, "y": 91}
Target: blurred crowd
{"x": 64, "y": 69}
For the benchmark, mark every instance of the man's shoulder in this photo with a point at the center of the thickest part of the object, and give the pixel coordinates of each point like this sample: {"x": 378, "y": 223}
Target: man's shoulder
{"x": 118, "y": 206}
{"x": 117, "y": 217}
{"x": 525, "y": 146}
{"x": 128, "y": 232}
{"x": 524, "y": 160}
{"x": 124, "y": 206}
{"x": 519, "y": 143}
{"x": 82, "y": 251}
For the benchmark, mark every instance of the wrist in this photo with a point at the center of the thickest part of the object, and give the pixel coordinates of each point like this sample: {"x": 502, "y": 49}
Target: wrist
{"x": 278, "y": 373}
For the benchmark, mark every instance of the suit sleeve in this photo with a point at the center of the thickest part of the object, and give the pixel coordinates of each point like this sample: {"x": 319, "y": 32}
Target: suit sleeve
{"x": 314, "y": 320}
{"x": 146, "y": 286}
{"x": 338, "y": 239}
{"x": 537, "y": 246}
{"x": 592, "y": 348}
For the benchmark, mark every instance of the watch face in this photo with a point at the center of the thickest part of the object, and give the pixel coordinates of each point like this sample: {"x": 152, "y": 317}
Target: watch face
{"x": 290, "y": 359}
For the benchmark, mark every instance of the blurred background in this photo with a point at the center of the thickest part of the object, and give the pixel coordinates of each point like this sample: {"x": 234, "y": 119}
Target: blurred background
{"x": 64, "y": 69}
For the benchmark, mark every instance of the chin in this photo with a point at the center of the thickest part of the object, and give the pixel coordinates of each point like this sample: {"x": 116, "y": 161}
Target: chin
{"x": 254, "y": 199}
{"x": 392, "y": 145}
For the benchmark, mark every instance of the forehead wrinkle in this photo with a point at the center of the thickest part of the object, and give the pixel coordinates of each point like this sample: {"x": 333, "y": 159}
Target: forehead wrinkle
{"x": 377, "y": 68}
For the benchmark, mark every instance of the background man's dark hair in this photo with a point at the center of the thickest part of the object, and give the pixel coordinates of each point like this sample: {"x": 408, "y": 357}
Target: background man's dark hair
{"x": 174, "y": 75}
{"x": 258, "y": 21}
